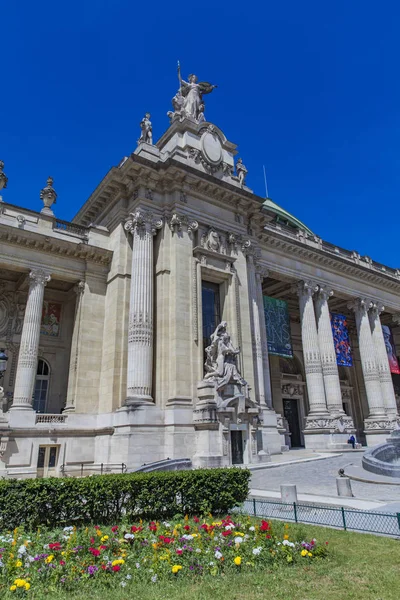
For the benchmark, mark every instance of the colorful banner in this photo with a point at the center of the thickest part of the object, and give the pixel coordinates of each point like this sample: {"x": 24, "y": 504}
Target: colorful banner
{"x": 390, "y": 349}
{"x": 51, "y": 317}
{"x": 278, "y": 327}
{"x": 341, "y": 340}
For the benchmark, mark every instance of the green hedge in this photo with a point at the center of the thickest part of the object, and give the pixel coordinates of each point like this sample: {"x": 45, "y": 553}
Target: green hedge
{"x": 110, "y": 498}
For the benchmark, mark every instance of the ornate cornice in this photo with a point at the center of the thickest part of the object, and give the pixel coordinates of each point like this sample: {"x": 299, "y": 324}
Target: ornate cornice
{"x": 41, "y": 243}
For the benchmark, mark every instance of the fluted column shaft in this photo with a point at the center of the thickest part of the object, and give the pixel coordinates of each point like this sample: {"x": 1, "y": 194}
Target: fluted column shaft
{"x": 264, "y": 342}
{"x": 368, "y": 359}
{"x": 79, "y": 289}
{"x": 311, "y": 352}
{"x": 29, "y": 348}
{"x": 382, "y": 360}
{"x": 330, "y": 370}
{"x": 256, "y": 332}
{"x": 140, "y": 330}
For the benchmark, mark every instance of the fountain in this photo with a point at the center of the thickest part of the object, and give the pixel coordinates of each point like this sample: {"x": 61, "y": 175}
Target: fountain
{"x": 384, "y": 459}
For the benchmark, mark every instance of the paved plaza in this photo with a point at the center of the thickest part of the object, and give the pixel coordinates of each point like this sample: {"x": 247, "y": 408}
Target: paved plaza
{"x": 318, "y": 477}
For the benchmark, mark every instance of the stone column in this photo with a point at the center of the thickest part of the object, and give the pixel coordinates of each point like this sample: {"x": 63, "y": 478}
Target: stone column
{"x": 260, "y": 273}
{"x": 382, "y": 360}
{"x": 368, "y": 359}
{"x": 143, "y": 226}
{"x": 311, "y": 352}
{"x": 256, "y": 332}
{"x": 28, "y": 353}
{"x": 330, "y": 371}
{"x": 79, "y": 289}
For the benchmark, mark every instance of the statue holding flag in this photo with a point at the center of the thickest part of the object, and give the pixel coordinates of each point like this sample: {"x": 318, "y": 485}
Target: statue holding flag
{"x": 188, "y": 101}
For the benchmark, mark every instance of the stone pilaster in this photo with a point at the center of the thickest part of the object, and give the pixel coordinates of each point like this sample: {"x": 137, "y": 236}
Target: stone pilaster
{"x": 28, "y": 353}
{"x": 256, "y": 332}
{"x": 330, "y": 371}
{"x": 368, "y": 360}
{"x": 264, "y": 342}
{"x": 79, "y": 289}
{"x": 143, "y": 226}
{"x": 311, "y": 352}
{"x": 382, "y": 361}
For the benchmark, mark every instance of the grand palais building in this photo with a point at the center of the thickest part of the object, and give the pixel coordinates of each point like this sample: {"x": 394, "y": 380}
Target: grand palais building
{"x": 179, "y": 315}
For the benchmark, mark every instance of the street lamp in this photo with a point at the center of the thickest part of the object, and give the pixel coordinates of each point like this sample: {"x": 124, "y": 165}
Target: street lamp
{"x": 3, "y": 363}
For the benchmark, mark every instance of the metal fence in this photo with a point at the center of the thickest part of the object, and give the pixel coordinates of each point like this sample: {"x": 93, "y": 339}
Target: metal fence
{"x": 338, "y": 517}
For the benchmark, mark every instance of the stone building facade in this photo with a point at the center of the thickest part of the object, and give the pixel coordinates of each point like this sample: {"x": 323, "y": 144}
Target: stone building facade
{"x": 105, "y": 321}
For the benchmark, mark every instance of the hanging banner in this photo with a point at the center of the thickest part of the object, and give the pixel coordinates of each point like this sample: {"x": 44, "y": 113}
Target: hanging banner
{"x": 278, "y": 327}
{"x": 341, "y": 340}
{"x": 390, "y": 349}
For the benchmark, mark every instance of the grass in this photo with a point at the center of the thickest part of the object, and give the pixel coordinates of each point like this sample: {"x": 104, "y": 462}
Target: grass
{"x": 359, "y": 566}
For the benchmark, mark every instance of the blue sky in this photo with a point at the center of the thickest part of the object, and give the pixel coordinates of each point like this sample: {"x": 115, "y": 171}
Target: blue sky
{"x": 310, "y": 89}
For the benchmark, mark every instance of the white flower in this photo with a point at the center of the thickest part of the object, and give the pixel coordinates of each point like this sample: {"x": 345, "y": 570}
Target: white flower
{"x": 238, "y": 540}
{"x": 70, "y": 528}
{"x": 129, "y": 576}
{"x": 211, "y": 564}
{"x": 46, "y": 546}
{"x": 256, "y": 551}
{"x": 123, "y": 583}
{"x": 218, "y": 554}
{"x": 106, "y": 557}
{"x": 1, "y": 564}
{"x": 129, "y": 536}
{"x": 252, "y": 528}
{"x": 187, "y": 536}
{"x": 287, "y": 543}
{"x": 137, "y": 565}
{"x": 198, "y": 550}
{"x": 154, "y": 578}
{"x": 228, "y": 527}
{"x": 21, "y": 550}
{"x": 166, "y": 524}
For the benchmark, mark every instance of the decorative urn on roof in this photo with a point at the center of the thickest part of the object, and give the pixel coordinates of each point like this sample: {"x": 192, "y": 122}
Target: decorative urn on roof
{"x": 49, "y": 197}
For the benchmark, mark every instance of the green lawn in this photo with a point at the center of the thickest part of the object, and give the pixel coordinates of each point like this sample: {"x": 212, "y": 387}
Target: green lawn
{"x": 359, "y": 566}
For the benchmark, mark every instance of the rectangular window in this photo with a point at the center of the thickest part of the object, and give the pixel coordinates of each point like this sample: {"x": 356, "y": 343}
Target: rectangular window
{"x": 211, "y": 310}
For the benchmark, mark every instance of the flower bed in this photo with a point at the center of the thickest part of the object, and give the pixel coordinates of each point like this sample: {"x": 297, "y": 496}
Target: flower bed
{"x": 72, "y": 558}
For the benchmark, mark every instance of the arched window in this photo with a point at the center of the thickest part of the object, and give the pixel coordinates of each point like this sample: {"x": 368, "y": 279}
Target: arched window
{"x": 41, "y": 386}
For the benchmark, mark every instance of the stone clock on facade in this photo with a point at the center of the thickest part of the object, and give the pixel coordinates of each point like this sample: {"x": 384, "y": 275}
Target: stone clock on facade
{"x": 180, "y": 315}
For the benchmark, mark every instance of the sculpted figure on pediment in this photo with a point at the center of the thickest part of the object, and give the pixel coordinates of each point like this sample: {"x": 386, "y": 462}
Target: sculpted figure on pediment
{"x": 220, "y": 364}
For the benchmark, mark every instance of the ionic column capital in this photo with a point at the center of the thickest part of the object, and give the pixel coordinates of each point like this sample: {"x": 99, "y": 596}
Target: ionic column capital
{"x": 142, "y": 221}
{"x": 39, "y": 277}
{"x": 305, "y": 288}
{"x": 376, "y": 308}
{"x": 176, "y": 222}
{"x": 324, "y": 292}
{"x": 396, "y": 318}
{"x": 261, "y": 272}
{"x": 79, "y": 288}
{"x": 360, "y": 306}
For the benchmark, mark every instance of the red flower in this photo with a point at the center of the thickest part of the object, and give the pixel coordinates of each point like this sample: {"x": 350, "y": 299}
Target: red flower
{"x": 153, "y": 526}
{"x": 166, "y": 540}
{"x": 179, "y": 551}
{"x": 196, "y": 519}
{"x": 55, "y": 546}
{"x": 94, "y": 551}
{"x": 135, "y": 529}
{"x": 62, "y": 562}
{"x": 92, "y": 540}
{"x": 116, "y": 568}
{"x": 268, "y": 537}
{"x": 265, "y": 526}
{"x": 104, "y": 567}
{"x": 96, "y": 527}
{"x": 103, "y": 547}
{"x": 114, "y": 529}
{"x": 187, "y": 528}
{"x": 227, "y": 532}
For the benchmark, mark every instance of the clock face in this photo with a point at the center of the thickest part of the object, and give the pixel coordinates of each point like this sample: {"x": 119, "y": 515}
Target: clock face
{"x": 211, "y": 148}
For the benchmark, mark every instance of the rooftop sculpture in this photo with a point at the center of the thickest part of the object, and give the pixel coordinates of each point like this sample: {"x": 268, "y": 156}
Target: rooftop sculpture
{"x": 188, "y": 101}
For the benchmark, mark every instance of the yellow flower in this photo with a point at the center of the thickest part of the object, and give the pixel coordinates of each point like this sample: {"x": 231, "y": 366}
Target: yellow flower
{"x": 304, "y": 552}
{"x": 13, "y": 588}
{"x": 286, "y": 537}
{"x": 309, "y": 554}
{"x": 26, "y": 543}
{"x": 119, "y": 561}
{"x": 186, "y": 518}
{"x": 155, "y": 545}
{"x": 238, "y": 560}
{"x": 240, "y": 534}
{"x": 286, "y": 526}
{"x": 98, "y": 532}
{"x": 104, "y": 538}
{"x": 18, "y": 563}
{"x": 63, "y": 553}
{"x": 49, "y": 558}
{"x": 176, "y": 568}
{"x": 20, "y": 582}
{"x": 195, "y": 535}
{"x": 175, "y": 532}
{"x": 13, "y": 542}
{"x": 27, "y": 586}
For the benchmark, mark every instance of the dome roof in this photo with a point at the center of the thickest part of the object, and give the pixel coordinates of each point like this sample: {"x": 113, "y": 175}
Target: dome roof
{"x": 283, "y": 216}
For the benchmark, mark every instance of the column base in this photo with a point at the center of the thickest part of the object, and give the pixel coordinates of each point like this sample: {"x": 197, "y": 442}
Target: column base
{"x": 327, "y": 431}
{"x": 24, "y": 407}
{"x": 377, "y": 429}
{"x": 139, "y": 401}
{"x": 69, "y": 409}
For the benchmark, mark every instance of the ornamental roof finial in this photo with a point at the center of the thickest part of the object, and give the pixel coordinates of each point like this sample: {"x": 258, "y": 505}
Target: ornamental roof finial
{"x": 3, "y": 178}
{"x": 49, "y": 197}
